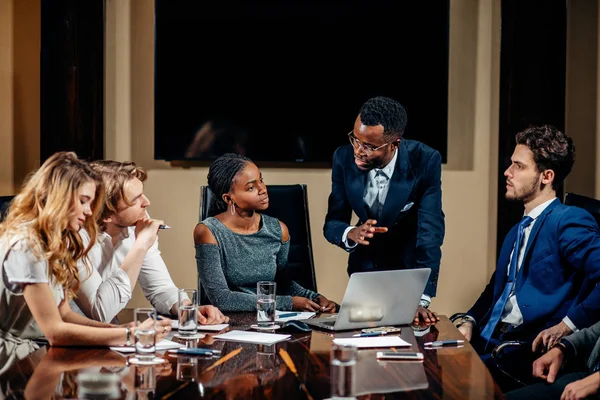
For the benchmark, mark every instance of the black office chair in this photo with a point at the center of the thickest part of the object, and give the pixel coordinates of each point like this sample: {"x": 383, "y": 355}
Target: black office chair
{"x": 4, "y": 204}
{"x": 587, "y": 203}
{"x": 289, "y": 204}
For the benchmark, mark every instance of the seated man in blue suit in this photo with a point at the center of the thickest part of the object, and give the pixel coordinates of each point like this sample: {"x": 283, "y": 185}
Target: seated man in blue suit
{"x": 394, "y": 187}
{"x": 545, "y": 283}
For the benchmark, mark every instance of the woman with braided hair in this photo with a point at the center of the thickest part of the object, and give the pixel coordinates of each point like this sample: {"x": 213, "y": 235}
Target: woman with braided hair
{"x": 240, "y": 246}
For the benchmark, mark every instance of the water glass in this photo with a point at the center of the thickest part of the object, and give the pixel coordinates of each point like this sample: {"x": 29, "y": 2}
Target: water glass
{"x": 145, "y": 382}
{"x": 145, "y": 334}
{"x": 187, "y": 368}
{"x": 265, "y": 356}
{"x": 188, "y": 312}
{"x": 265, "y": 304}
{"x": 98, "y": 385}
{"x": 343, "y": 371}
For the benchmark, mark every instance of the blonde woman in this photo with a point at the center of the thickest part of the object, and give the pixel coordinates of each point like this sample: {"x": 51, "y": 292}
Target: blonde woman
{"x": 39, "y": 250}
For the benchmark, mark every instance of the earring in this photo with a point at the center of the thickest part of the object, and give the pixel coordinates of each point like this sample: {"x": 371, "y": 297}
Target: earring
{"x": 232, "y": 208}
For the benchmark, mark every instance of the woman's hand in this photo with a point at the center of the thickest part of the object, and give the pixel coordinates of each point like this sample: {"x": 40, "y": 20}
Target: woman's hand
{"x": 163, "y": 327}
{"x": 303, "y": 304}
{"x": 325, "y": 304}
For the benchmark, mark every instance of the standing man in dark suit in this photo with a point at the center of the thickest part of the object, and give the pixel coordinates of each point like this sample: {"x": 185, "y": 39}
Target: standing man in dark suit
{"x": 546, "y": 281}
{"x": 393, "y": 185}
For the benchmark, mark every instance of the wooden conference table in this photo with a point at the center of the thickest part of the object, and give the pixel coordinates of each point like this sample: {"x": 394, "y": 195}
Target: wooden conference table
{"x": 258, "y": 371}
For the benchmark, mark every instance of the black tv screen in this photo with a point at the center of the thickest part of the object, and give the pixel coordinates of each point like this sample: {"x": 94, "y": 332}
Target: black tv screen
{"x": 283, "y": 81}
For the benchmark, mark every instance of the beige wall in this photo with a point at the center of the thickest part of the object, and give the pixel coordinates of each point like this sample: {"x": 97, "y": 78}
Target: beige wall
{"x": 19, "y": 91}
{"x": 468, "y": 180}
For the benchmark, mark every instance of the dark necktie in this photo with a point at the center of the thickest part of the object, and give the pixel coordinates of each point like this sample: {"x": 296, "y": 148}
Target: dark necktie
{"x": 381, "y": 180}
{"x": 498, "y": 309}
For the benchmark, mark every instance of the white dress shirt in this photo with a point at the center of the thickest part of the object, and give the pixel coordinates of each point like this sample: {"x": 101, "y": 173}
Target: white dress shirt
{"x": 108, "y": 289}
{"x": 512, "y": 314}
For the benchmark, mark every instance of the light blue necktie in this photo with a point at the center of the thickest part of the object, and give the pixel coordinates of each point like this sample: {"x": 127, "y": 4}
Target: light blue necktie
{"x": 498, "y": 309}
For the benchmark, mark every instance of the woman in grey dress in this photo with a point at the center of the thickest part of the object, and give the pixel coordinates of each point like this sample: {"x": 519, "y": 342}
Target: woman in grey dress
{"x": 240, "y": 246}
{"x": 39, "y": 249}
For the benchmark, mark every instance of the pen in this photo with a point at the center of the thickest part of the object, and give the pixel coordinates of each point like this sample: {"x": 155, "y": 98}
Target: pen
{"x": 444, "y": 343}
{"x": 369, "y": 334}
{"x": 286, "y": 315}
{"x": 197, "y": 352}
{"x": 164, "y": 227}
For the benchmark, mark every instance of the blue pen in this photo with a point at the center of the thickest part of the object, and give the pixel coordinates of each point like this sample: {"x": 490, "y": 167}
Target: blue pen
{"x": 369, "y": 334}
{"x": 286, "y": 315}
{"x": 197, "y": 352}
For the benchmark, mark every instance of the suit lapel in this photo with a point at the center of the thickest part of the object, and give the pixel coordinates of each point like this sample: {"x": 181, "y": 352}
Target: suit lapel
{"x": 355, "y": 184}
{"x": 503, "y": 259}
{"x": 401, "y": 184}
{"x": 539, "y": 223}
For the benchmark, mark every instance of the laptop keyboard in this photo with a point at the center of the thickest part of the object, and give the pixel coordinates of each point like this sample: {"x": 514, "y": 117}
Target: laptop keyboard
{"x": 328, "y": 323}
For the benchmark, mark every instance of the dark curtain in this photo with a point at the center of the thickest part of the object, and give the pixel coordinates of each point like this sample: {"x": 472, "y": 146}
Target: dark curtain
{"x": 72, "y": 78}
{"x": 532, "y": 83}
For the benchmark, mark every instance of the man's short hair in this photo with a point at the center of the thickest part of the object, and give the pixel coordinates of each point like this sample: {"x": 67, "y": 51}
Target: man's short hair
{"x": 386, "y": 112}
{"x": 551, "y": 148}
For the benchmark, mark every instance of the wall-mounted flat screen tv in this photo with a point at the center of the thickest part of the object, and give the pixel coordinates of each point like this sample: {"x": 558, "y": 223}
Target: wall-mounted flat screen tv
{"x": 283, "y": 81}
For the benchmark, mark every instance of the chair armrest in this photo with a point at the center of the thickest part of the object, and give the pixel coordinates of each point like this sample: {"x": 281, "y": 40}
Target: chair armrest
{"x": 500, "y": 347}
{"x": 456, "y": 316}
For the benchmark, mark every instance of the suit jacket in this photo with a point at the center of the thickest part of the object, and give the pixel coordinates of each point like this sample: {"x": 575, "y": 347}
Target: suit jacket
{"x": 412, "y": 212}
{"x": 558, "y": 275}
{"x": 586, "y": 344}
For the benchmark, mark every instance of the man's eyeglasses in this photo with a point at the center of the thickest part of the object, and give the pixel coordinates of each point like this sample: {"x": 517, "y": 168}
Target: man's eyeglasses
{"x": 366, "y": 148}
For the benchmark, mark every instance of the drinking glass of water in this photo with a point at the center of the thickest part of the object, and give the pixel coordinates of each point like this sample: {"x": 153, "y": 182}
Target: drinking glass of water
{"x": 145, "y": 334}
{"x": 343, "y": 371}
{"x": 265, "y": 304}
{"x": 145, "y": 382}
{"x": 188, "y": 312}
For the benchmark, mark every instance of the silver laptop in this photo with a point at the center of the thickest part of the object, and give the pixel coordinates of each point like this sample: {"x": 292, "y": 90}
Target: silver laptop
{"x": 377, "y": 298}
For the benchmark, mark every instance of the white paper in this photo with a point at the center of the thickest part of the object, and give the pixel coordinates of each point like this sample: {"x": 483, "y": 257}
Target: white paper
{"x": 212, "y": 328}
{"x": 378, "y": 341}
{"x": 297, "y": 316}
{"x": 252, "y": 337}
{"x": 164, "y": 344}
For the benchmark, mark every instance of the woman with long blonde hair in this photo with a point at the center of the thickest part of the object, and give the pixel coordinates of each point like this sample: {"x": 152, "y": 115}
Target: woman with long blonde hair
{"x": 39, "y": 250}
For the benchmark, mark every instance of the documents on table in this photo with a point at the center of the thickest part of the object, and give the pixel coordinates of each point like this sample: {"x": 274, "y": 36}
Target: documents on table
{"x": 252, "y": 337}
{"x": 164, "y": 344}
{"x": 212, "y": 328}
{"x": 378, "y": 341}
{"x": 282, "y": 316}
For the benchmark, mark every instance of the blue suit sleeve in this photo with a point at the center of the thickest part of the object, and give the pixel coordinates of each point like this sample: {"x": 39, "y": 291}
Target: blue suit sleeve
{"x": 339, "y": 211}
{"x": 485, "y": 301}
{"x": 579, "y": 243}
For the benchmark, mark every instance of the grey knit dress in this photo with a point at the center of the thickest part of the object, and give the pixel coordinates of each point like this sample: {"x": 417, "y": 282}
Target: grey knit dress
{"x": 230, "y": 270}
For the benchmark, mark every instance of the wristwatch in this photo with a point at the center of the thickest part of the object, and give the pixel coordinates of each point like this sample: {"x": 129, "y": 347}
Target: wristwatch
{"x": 424, "y": 303}
{"x": 128, "y": 336}
{"x": 561, "y": 346}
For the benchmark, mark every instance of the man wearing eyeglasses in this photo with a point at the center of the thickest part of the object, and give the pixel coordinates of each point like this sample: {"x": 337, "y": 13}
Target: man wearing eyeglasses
{"x": 393, "y": 185}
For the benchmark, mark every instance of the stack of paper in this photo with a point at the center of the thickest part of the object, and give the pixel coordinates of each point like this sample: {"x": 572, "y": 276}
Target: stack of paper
{"x": 375, "y": 341}
{"x": 164, "y": 344}
{"x": 282, "y": 316}
{"x": 252, "y": 337}
{"x": 212, "y": 328}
